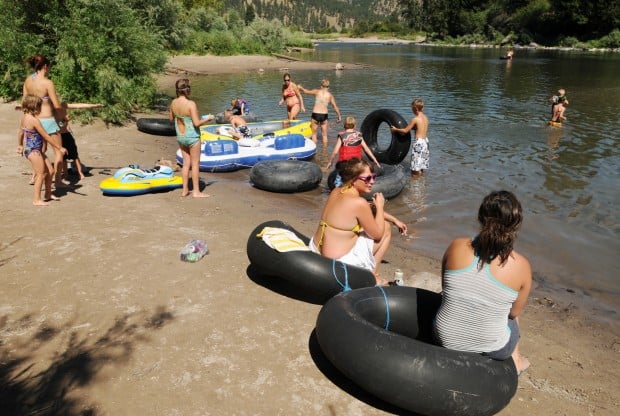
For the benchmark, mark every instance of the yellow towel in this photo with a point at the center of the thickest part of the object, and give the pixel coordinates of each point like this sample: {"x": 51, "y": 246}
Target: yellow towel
{"x": 282, "y": 239}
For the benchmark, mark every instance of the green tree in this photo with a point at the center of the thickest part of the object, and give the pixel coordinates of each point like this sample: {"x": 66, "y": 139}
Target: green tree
{"x": 250, "y": 15}
{"x": 412, "y": 12}
{"x": 16, "y": 45}
{"x": 105, "y": 54}
{"x": 235, "y": 23}
{"x": 162, "y": 16}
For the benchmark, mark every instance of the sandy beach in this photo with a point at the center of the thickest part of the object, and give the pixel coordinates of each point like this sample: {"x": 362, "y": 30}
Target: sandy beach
{"x": 99, "y": 316}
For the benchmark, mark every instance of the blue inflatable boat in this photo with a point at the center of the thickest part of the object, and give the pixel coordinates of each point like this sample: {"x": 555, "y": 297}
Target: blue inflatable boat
{"x": 229, "y": 155}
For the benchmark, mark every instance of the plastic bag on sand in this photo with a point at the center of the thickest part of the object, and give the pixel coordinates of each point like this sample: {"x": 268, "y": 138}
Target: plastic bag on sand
{"x": 194, "y": 251}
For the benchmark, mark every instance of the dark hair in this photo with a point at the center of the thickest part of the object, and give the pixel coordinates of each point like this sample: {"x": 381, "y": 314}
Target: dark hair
{"x": 351, "y": 169}
{"x": 500, "y": 216}
{"x": 182, "y": 86}
{"x": 37, "y": 62}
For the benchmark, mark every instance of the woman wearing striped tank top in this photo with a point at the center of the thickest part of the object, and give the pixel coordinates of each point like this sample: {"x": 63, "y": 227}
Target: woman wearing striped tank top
{"x": 485, "y": 285}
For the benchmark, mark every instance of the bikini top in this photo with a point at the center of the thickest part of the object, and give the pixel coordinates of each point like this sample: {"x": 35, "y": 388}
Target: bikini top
{"x": 45, "y": 98}
{"x": 289, "y": 92}
{"x": 323, "y": 224}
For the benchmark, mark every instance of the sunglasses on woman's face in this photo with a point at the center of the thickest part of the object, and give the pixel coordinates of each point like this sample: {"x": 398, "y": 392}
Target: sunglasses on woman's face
{"x": 369, "y": 178}
{"x": 287, "y": 80}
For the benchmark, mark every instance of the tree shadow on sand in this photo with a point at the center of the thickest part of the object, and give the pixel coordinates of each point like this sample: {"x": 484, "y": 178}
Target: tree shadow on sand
{"x": 28, "y": 389}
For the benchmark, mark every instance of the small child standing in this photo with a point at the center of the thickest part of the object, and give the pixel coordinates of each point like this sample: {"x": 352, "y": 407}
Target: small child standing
{"x": 350, "y": 144}
{"x": 68, "y": 141}
{"x": 31, "y": 129}
{"x": 420, "y": 153}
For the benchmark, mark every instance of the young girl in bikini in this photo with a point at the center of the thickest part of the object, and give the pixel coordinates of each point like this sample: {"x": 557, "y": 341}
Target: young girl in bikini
{"x": 292, "y": 97}
{"x": 31, "y": 129}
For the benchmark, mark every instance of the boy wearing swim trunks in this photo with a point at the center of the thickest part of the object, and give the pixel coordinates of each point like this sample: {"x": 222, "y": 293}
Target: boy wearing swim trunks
{"x": 240, "y": 128}
{"x": 420, "y": 153}
{"x": 68, "y": 141}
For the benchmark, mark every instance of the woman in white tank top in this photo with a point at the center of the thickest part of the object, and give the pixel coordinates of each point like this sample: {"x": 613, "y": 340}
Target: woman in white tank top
{"x": 486, "y": 284}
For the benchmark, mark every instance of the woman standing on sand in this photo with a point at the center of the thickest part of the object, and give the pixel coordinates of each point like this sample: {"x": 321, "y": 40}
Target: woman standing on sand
{"x": 292, "y": 97}
{"x": 184, "y": 114}
{"x": 485, "y": 285}
{"x": 38, "y": 84}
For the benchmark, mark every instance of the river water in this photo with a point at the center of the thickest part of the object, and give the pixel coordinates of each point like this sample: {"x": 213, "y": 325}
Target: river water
{"x": 487, "y": 131}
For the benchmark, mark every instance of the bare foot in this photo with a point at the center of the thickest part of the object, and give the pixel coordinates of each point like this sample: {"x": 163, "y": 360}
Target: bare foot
{"x": 184, "y": 194}
{"x": 381, "y": 281}
{"x": 40, "y": 203}
{"x": 523, "y": 365}
{"x": 52, "y": 198}
{"x": 200, "y": 195}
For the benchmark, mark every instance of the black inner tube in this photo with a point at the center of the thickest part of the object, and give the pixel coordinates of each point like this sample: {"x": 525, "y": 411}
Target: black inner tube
{"x": 157, "y": 126}
{"x": 400, "y": 143}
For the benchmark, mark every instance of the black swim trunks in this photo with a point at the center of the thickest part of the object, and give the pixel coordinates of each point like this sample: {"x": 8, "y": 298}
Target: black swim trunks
{"x": 319, "y": 117}
{"x": 68, "y": 142}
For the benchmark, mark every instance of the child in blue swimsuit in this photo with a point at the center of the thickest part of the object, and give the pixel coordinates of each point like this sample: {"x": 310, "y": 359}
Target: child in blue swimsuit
{"x": 184, "y": 114}
{"x": 31, "y": 132}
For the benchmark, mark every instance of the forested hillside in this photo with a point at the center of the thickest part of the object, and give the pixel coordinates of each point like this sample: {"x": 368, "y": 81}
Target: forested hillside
{"x": 320, "y": 15}
{"x": 549, "y": 22}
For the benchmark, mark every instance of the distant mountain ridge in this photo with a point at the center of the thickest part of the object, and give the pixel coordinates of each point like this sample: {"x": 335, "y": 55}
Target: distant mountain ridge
{"x": 316, "y": 15}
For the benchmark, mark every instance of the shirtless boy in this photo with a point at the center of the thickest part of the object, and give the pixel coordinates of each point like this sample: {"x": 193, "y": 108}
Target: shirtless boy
{"x": 420, "y": 154}
{"x": 239, "y": 128}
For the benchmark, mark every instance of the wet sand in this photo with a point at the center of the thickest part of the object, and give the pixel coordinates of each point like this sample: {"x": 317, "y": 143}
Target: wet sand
{"x": 98, "y": 313}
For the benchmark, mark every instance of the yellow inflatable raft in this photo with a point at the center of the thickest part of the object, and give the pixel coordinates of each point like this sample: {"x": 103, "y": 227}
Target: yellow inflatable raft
{"x": 259, "y": 130}
{"x": 135, "y": 181}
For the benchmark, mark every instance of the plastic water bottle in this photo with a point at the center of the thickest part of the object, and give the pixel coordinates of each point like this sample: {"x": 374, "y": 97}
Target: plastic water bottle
{"x": 338, "y": 180}
{"x": 398, "y": 277}
{"x": 194, "y": 251}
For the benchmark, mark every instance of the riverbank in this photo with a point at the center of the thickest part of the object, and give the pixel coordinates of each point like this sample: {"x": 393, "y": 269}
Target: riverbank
{"x": 99, "y": 313}
{"x": 422, "y": 40}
